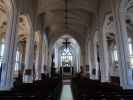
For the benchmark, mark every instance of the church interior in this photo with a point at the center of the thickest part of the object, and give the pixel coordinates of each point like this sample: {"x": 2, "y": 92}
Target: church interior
{"x": 66, "y": 49}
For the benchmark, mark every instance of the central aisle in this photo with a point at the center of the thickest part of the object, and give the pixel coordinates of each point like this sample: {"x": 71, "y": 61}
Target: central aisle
{"x": 66, "y": 93}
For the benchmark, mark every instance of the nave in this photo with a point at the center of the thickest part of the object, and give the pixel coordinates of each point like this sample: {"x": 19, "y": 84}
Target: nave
{"x": 43, "y": 43}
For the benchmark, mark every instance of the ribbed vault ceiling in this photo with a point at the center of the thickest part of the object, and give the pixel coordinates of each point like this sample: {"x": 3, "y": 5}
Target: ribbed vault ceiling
{"x": 68, "y": 16}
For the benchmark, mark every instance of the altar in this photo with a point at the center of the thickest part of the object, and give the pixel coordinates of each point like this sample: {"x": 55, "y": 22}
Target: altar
{"x": 67, "y": 72}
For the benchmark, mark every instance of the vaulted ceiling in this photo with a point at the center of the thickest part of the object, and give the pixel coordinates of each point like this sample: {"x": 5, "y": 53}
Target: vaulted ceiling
{"x": 72, "y": 17}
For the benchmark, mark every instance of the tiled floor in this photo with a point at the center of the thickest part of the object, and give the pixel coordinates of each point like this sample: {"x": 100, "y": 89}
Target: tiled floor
{"x": 66, "y": 93}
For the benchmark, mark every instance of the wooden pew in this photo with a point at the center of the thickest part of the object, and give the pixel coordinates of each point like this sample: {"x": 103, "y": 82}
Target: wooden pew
{"x": 38, "y": 90}
{"x": 85, "y": 89}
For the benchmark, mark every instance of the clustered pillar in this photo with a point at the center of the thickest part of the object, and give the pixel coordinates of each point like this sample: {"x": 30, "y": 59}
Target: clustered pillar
{"x": 122, "y": 42}
{"x": 28, "y": 77}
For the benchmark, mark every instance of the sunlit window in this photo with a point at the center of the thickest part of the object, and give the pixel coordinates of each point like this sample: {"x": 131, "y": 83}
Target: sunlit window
{"x": 115, "y": 54}
{"x": 18, "y": 60}
{"x": 2, "y": 47}
{"x": 66, "y": 57}
{"x": 130, "y": 48}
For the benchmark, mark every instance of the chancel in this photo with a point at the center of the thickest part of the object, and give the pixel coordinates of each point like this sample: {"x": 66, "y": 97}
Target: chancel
{"x": 66, "y": 59}
{"x": 66, "y": 49}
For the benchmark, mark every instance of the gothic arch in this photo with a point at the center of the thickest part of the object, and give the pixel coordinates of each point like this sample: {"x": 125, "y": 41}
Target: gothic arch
{"x": 57, "y": 36}
{"x": 74, "y": 45}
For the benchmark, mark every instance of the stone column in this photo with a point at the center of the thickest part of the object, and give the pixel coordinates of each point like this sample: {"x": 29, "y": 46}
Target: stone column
{"x": 82, "y": 60}
{"x": 92, "y": 59}
{"x": 89, "y": 57}
{"x": 95, "y": 56}
{"x": 56, "y": 57}
{"x": 48, "y": 61}
{"x": 6, "y": 82}
{"x": 28, "y": 77}
{"x": 43, "y": 57}
{"x": 46, "y": 56}
{"x": 86, "y": 55}
{"x": 122, "y": 41}
{"x": 104, "y": 61}
{"x": 38, "y": 61}
{"x": 40, "y": 58}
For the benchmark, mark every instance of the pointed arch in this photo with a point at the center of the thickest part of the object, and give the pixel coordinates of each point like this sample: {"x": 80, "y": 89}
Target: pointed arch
{"x": 58, "y": 47}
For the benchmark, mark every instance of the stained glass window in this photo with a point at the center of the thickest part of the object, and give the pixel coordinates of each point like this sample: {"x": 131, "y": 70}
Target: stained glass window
{"x": 66, "y": 57}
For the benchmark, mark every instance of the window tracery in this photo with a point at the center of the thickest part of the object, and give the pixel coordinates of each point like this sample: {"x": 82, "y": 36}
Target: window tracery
{"x": 66, "y": 57}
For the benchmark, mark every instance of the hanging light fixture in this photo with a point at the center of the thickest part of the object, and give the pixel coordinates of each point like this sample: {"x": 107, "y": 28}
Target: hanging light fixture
{"x": 66, "y": 12}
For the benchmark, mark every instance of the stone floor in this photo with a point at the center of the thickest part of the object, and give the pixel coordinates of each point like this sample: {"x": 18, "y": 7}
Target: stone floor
{"x": 66, "y": 93}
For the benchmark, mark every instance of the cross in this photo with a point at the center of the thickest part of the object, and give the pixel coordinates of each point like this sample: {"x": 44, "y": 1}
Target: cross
{"x": 66, "y": 43}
